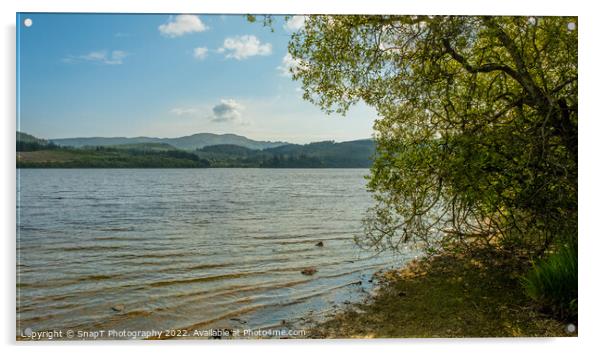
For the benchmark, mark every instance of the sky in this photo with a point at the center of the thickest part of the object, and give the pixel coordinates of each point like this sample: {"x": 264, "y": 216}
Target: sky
{"x": 84, "y": 75}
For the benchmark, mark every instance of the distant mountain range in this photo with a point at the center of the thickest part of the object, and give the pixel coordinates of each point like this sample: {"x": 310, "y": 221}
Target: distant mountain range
{"x": 191, "y": 142}
{"x": 199, "y": 150}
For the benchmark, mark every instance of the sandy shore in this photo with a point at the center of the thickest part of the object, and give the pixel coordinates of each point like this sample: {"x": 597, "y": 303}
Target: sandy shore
{"x": 445, "y": 296}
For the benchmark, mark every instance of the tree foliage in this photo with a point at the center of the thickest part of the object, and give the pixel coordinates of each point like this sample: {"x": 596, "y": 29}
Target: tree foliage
{"x": 477, "y": 128}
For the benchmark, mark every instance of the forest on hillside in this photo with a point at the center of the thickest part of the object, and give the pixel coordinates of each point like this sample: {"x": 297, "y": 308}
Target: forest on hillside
{"x": 34, "y": 152}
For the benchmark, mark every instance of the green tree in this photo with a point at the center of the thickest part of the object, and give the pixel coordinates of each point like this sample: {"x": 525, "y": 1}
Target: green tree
{"x": 477, "y": 128}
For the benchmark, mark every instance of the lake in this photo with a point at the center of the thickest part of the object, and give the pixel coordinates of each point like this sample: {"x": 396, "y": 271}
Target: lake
{"x": 143, "y": 249}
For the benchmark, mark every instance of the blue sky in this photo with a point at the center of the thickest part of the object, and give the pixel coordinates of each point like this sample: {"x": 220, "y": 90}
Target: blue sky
{"x": 167, "y": 76}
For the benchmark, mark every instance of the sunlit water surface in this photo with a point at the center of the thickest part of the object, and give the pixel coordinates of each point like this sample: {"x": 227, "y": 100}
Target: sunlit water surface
{"x": 189, "y": 248}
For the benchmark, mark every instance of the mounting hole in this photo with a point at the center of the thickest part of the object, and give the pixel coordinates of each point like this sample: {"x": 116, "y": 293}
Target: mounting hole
{"x": 571, "y": 26}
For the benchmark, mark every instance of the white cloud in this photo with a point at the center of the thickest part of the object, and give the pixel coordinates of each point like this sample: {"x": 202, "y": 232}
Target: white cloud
{"x": 179, "y": 111}
{"x": 295, "y": 23}
{"x": 200, "y": 53}
{"x": 288, "y": 64}
{"x": 228, "y": 110}
{"x": 181, "y": 25}
{"x": 117, "y": 56}
{"x": 114, "y": 57}
{"x": 95, "y": 56}
{"x": 242, "y": 47}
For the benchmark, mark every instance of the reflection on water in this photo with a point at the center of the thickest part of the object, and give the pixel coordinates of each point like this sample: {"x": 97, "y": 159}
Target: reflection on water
{"x": 187, "y": 248}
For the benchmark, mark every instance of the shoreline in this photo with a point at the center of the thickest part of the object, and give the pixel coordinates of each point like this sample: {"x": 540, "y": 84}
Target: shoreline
{"x": 444, "y": 296}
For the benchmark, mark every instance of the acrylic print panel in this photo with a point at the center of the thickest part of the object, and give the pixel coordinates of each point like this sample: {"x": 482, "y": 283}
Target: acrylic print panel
{"x": 190, "y": 176}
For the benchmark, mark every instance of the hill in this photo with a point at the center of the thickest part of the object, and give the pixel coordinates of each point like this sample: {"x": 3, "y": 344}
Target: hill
{"x": 35, "y": 152}
{"x": 27, "y": 138}
{"x": 191, "y": 142}
{"x": 326, "y": 154}
{"x": 357, "y": 153}
{"x": 26, "y": 142}
{"x": 144, "y": 147}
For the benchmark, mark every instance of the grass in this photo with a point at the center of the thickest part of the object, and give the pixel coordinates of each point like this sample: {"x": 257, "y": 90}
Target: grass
{"x": 115, "y": 158}
{"x": 552, "y": 283}
{"x": 42, "y": 156}
{"x": 447, "y": 296}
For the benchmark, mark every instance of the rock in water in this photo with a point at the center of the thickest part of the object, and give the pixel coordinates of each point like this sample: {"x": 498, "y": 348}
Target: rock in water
{"x": 118, "y": 308}
{"x": 320, "y": 244}
{"x": 309, "y": 271}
